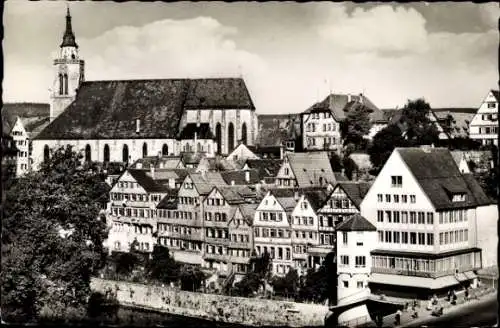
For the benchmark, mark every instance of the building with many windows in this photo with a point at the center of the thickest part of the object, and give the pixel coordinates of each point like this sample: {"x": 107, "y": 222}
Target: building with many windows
{"x": 342, "y": 202}
{"x": 272, "y": 228}
{"x": 425, "y": 211}
{"x": 241, "y": 244}
{"x": 484, "y": 125}
{"x": 356, "y": 237}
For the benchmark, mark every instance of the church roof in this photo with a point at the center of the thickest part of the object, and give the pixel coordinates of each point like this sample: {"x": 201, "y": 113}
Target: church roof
{"x": 114, "y": 109}
{"x": 69, "y": 36}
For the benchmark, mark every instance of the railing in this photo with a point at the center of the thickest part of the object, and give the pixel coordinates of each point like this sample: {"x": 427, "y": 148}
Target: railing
{"x": 425, "y": 274}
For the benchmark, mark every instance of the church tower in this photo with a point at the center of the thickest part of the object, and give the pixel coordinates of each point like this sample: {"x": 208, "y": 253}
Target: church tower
{"x": 68, "y": 72}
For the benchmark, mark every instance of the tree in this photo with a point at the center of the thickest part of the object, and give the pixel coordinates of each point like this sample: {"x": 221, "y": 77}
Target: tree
{"x": 336, "y": 162}
{"x": 420, "y": 130}
{"x": 321, "y": 285}
{"x": 125, "y": 263}
{"x": 355, "y": 126}
{"x": 162, "y": 266}
{"x": 288, "y": 285}
{"x": 383, "y": 144}
{"x": 253, "y": 280}
{"x": 52, "y": 238}
{"x": 191, "y": 277}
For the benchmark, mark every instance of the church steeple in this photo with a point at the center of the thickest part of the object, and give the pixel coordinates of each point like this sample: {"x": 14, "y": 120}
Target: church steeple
{"x": 69, "y": 36}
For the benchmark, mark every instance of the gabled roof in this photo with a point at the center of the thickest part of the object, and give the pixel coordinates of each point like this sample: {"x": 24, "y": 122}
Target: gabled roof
{"x": 147, "y": 182}
{"x": 163, "y": 162}
{"x": 456, "y": 124}
{"x": 496, "y": 94}
{"x": 202, "y": 131}
{"x": 439, "y": 176}
{"x": 311, "y": 169}
{"x": 169, "y": 202}
{"x": 265, "y": 167}
{"x": 355, "y": 223}
{"x": 316, "y": 198}
{"x": 110, "y": 109}
{"x": 235, "y": 194}
{"x": 248, "y": 212}
{"x": 239, "y": 177}
{"x": 204, "y": 182}
{"x": 339, "y": 104}
{"x": 355, "y": 190}
{"x": 33, "y": 116}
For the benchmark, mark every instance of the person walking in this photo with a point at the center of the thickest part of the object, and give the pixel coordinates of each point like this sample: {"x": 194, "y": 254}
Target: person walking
{"x": 397, "y": 320}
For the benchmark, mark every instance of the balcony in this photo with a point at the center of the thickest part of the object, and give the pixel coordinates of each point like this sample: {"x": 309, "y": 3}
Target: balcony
{"x": 217, "y": 241}
{"x": 424, "y": 274}
{"x": 216, "y": 257}
{"x": 239, "y": 259}
{"x": 216, "y": 224}
{"x": 240, "y": 244}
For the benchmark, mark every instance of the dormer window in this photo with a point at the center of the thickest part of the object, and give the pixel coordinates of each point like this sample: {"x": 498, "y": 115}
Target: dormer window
{"x": 458, "y": 198}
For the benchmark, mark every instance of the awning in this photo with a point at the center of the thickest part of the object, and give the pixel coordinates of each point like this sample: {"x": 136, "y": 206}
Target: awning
{"x": 412, "y": 281}
{"x": 461, "y": 277}
{"x": 470, "y": 274}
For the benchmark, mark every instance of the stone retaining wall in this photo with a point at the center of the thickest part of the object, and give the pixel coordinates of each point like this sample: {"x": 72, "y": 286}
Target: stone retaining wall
{"x": 247, "y": 311}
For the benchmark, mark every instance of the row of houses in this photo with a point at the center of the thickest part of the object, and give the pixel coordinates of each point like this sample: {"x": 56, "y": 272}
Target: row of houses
{"x": 421, "y": 225}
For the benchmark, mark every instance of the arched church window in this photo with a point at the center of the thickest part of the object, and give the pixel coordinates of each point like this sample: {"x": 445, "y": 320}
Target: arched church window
{"x": 65, "y": 84}
{"x": 61, "y": 84}
{"x": 125, "y": 154}
{"x": 218, "y": 137}
{"x": 88, "y": 154}
{"x": 144, "y": 150}
{"x": 164, "y": 150}
{"x": 46, "y": 153}
{"x": 230, "y": 138}
{"x": 244, "y": 133}
{"x": 106, "y": 153}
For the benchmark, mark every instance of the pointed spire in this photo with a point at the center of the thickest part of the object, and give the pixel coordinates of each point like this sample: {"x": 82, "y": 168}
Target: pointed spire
{"x": 69, "y": 37}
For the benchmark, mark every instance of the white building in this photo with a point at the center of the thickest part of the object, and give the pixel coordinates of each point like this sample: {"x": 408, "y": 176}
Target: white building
{"x": 484, "y": 125}
{"x": 272, "y": 229}
{"x": 321, "y": 123}
{"x": 124, "y": 120}
{"x": 426, "y": 214}
{"x": 356, "y": 237}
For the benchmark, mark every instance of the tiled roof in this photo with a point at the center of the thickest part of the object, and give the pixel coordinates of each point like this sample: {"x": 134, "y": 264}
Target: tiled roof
{"x": 235, "y": 194}
{"x": 311, "y": 169}
{"x": 202, "y": 131}
{"x": 288, "y": 203}
{"x": 338, "y": 104}
{"x": 204, "y": 182}
{"x": 272, "y": 152}
{"x": 218, "y": 93}
{"x": 191, "y": 157}
{"x": 275, "y": 129}
{"x": 316, "y": 197}
{"x": 355, "y": 190}
{"x": 169, "y": 202}
{"x": 496, "y": 94}
{"x": 455, "y": 123}
{"x": 164, "y": 162}
{"x": 266, "y": 167}
{"x": 439, "y": 176}
{"x": 239, "y": 177}
{"x": 248, "y": 211}
{"x": 147, "y": 182}
{"x": 33, "y": 115}
{"x": 355, "y": 223}
{"x": 110, "y": 109}
{"x": 465, "y": 110}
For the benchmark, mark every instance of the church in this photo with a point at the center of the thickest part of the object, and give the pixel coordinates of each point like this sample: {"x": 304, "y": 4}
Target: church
{"x": 124, "y": 120}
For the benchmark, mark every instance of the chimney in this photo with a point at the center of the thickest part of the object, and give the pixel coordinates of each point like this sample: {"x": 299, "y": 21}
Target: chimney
{"x": 152, "y": 171}
{"x": 361, "y": 98}
{"x": 296, "y": 195}
{"x": 349, "y": 97}
{"x": 137, "y": 125}
{"x": 247, "y": 176}
{"x": 281, "y": 151}
{"x": 232, "y": 182}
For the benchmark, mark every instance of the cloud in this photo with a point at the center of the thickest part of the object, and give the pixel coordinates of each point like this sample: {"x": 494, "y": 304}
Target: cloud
{"x": 382, "y": 29}
{"x": 199, "y": 47}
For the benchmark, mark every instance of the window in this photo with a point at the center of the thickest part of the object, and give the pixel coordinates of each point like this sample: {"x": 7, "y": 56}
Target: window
{"x": 421, "y": 218}
{"x": 413, "y": 238}
{"x": 404, "y": 198}
{"x": 396, "y": 216}
{"x": 360, "y": 261}
{"x": 388, "y": 236}
{"x": 46, "y": 153}
{"x": 396, "y": 236}
{"x": 430, "y": 218}
{"x": 413, "y": 199}
{"x": 380, "y": 216}
{"x": 106, "y": 153}
{"x": 344, "y": 237}
{"x": 388, "y": 215}
{"x": 125, "y": 154}
{"x": 164, "y": 150}
{"x": 144, "y": 150}
{"x": 421, "y": 238}
{"x": 387, "y": 198}
{"x": 346, "y": 283}
{"x": 396, "y": 181}
{"x": 430, "y": 239}
{"x": 344, "y": 260}
{"x": 380, "y": 236}
{"x": 396, "y": 198}
{"x": 88, "y": 154}
{"x": 491, "y": 105}
{"x": 413, "y": 218}
{"x": 404, "y": 237}
{"x": 404, "y": 217}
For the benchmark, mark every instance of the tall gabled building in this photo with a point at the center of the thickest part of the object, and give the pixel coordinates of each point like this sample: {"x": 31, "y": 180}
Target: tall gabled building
{"x": 484, "y": 125}
{"x": 427, "y": 215}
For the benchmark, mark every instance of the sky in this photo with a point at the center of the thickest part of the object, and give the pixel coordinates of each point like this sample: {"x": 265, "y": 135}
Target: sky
{"x": 291, "y": 55}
